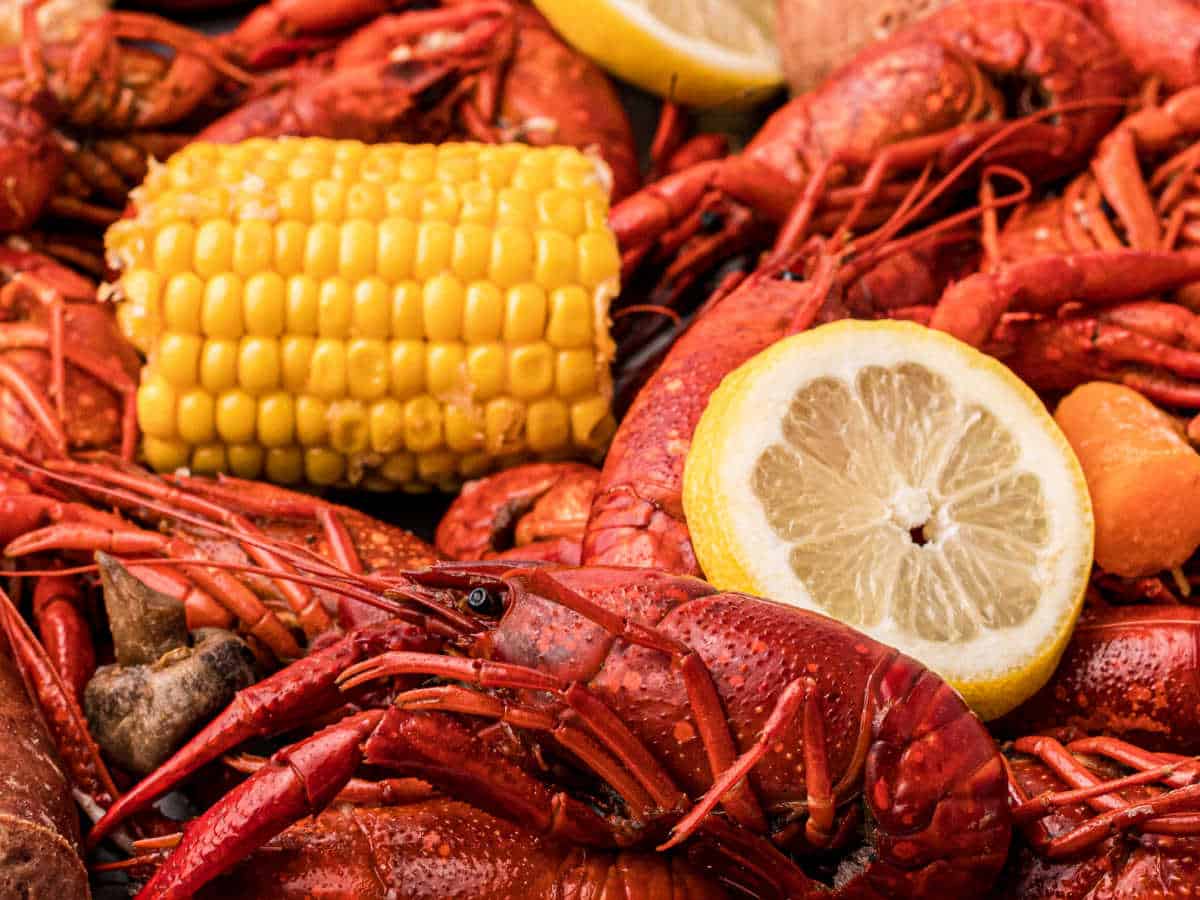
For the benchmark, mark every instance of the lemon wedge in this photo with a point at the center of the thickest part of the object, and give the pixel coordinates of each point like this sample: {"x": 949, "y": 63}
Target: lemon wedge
{"x": 891, "y": 477}
{"x": 699, "y": 52}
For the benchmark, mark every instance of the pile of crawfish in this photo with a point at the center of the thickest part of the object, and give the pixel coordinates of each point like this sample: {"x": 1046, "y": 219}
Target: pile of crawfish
{"x": 550, "y": 701}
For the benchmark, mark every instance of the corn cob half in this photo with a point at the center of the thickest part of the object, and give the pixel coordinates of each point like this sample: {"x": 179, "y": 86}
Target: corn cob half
{"x": 388, "y": 315}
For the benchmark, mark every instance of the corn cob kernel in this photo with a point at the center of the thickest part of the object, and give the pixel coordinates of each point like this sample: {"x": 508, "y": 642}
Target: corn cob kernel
{"x": 387, "y": 315}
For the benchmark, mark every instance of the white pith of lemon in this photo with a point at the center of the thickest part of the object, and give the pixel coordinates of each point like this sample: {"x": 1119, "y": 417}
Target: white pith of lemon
{"x": 901, "y": 481}
{"x": 699, "y": 52}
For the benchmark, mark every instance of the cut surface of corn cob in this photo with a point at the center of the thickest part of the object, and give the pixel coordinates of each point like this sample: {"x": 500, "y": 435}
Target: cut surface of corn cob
{"x": 389, "y": 315}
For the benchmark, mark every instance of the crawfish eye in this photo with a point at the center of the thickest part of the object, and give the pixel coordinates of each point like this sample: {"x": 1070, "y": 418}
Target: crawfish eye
{"x": 484, "y": 602}
{"x": 789, "y": 275}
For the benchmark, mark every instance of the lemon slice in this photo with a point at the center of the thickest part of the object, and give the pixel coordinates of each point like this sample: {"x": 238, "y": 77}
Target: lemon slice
{"x": 699, "y": 52}
{"x": 891, "y": 477}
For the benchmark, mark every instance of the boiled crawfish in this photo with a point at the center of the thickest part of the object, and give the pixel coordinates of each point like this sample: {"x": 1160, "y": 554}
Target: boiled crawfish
{"x": 933, "y": 93}
{"x": 647, "y": 695}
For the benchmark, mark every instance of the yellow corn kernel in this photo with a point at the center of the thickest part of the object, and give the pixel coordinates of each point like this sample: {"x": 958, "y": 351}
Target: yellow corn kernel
{"x": 235, "y": 416}
{"x": 196, "y": 419}
{"x": 438, "y": 468}
{"x": 142, "y": 290}
{"x": 435, "y": 243}
{"x": 379, "y": 165}
{"x": 367, "y": 370}
{"x": 472, "y": 247}
{"x": 264, "y": 304}
{"x": 182, "y": 303}
{"x": 156, "y": 407}
{"x": 356, "y": 256}
{"x": 252, "y": 247}
{"x": 309, "y": 167}
{"x": 291, "y": 238}
{"x": 399, "y": 468}
{"x": 478, "y": 204}
{"x": 592, "y": 422}
{"x": 483, "y": 313}
{"x": 258, "y": 364}
{"x": 486, "y": 364}
{"x": 443, "y": 299}
{"x": 574, "y": 373}
{"x": 503, "y": 426}
{"x": 533, "y": 178}
{"x": 524, "y": 314}
{"x": 327, "y": 375}
{"x": 576, "y": 175}
{"x": 347, "y": 159}
{"x": 548, "y": 426}
{"x": 295, "y": 361}
{"x": 599, "y": 261}
{"x": 371, "y": 317}
{"x": 218, "y": 365}
{"x": 245, "y": 460}
{"x": 497, "y": 163}
{"x": 214, "y": 248}
{"x": 511, "y": 260}
{"x": 595, "y": 213}
{"x": 164, "y": 455}
{"x": 464, "y": 428}
{"x": 386, "y": 426}
{"x": 397, "y": 248}
{"x": 335, "y": 306}
{"x": 294, "y": 199}
{"x": 312, "y": 422}
{"x": 178, "y": 358}
{"x": 303, "y": 303}
{"x": 408, "y": 311}
{"x": 457, "y": 163}
{"x": 221, "y": 315}
{"x": 404, "y": 200}
{"x": 439, "y": 203}
{"x": 365, "y": 201}
{"x": 321, "y": 249}
{"x": 422, "y": 424}
{"x": 562, "y": 211}
{"x": 173, "y": 249}
{"x": 444, "y": 369}
{"x": 571, "y": 322}
{"x": 554, "y": 264}
{"x": 276, "y": 420}
{"x": 349, "y": 429}
{"x": 329, "y": 200}
{"x": 285, "y": 465}
{"x": 420, "y": 164}
{"x": 323, "y": 466}
{"x": 407, "y": 368}
{"x": 516, "y": 208}
{"x": 530, "y": 370}
{"x": 209, "y": 459}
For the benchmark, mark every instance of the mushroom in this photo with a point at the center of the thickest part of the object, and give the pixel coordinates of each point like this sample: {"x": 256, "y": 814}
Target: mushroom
{"x": 165, "y": 683}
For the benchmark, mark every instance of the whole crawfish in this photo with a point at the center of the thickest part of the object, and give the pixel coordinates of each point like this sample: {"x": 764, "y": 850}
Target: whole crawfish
{"x": 491, "y": 70}
{"x": 87, "y": 114}
{"x": 930, "y": 94}
{"x": 639, "y": 703}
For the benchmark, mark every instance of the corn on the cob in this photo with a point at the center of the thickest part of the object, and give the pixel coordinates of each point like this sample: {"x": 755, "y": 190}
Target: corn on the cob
{"x": 391, "y": 315}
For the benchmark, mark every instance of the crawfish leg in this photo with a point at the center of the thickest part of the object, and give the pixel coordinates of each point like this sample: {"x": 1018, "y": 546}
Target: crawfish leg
{"x": 58, "y": 611}
{"x": 298, "y": 781}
